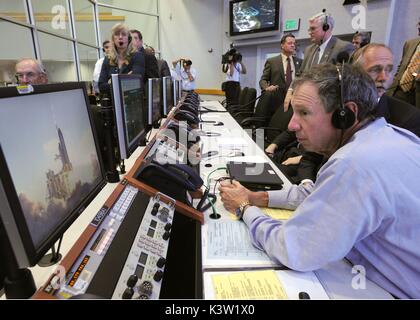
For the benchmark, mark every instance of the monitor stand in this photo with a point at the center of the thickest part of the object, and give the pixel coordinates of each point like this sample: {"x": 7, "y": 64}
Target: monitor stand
{"x": 51, "y": 258}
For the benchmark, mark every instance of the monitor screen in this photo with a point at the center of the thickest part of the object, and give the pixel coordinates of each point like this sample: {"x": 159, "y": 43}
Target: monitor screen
{"x": 154, "y": 101}
{"x": 167, "y": 93}
{"x": 127, "y": 92}
{"x": 50, "y": 165}
{"x": 253, "y": 16}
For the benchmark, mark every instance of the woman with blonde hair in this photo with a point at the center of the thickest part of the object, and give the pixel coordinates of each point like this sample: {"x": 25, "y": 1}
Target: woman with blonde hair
{"x": 123, "y": 58}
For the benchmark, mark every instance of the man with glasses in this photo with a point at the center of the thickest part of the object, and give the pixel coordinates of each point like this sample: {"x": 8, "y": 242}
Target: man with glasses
{"x": 325, "y": 48}
{"x": 30, "y": 71}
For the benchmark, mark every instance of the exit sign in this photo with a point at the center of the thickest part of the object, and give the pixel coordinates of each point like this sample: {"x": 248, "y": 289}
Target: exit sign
{"x": 292, "y": 25}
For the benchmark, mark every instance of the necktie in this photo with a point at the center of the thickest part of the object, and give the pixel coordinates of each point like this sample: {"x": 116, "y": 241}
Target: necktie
{"x": 406, "y": 82}
{"x": 288, "y": 73}
{"x": 316, "y": 57}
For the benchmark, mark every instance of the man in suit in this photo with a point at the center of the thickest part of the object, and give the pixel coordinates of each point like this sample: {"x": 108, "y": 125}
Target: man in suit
{"x": 377, "y": 61}
{"x": 163, "y": 66}
{"x": 150, "y": 61}
{"x": 403, "y": 86}
{"x": 280, "y": 70}
{"x": 325, "y": 47}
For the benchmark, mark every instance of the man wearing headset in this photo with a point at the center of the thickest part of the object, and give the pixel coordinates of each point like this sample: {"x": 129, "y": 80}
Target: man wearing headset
{"x": 30, "y": 71}
{"x": 364, "y": 205}
{"x": 325, "y": 47}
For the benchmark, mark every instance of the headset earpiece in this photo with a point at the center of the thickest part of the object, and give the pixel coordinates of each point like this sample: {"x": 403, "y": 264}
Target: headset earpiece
{"x": 129, "y": 38}
{"x": 342, "y": 118}
{"x": 325, "y": 26}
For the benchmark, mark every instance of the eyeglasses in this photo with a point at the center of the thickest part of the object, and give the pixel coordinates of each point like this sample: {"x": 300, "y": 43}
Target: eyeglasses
{"x": 29, "y": 75}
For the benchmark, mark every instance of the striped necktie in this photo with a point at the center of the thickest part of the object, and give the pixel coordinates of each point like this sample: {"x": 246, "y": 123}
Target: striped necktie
{"x": 407, "y": 80}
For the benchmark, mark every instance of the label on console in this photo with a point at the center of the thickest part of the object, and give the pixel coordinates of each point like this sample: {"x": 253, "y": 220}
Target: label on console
{"x": 99, "y": 216}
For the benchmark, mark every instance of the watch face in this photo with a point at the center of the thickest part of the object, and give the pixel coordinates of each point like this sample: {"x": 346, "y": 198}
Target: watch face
{"x": 238, "y": 213}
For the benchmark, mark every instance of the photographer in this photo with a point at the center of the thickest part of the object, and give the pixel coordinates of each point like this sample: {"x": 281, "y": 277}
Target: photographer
{"x": 186, "y": 74}
{"x": 233, "y": 66}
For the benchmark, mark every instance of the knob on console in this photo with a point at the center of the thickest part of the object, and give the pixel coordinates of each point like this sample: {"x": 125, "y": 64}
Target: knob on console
{"x": 128, "y": 293}
{"x": 166, "y": 235}
{"x": 161, "y": 262}
{"x": 168, "y": 226}
{"x": 158, "y": 276}
{"x": 132, "y": 280}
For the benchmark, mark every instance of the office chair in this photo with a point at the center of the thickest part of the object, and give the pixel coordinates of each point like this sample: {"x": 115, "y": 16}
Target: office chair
{"x": 261, "y": 115}
{"x": 246, "y": 102}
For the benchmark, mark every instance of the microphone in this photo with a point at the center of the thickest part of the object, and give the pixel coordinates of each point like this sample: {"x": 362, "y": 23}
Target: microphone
{"x": 342, "y": 57}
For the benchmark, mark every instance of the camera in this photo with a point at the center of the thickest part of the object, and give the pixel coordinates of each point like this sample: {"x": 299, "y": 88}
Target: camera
{"x": 231, "y": 56}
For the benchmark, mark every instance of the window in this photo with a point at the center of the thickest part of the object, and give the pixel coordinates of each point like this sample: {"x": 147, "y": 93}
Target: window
{"x": 15, "y": 49}
{"x": 57, "y": 57}
{"x": 52, "y": 15}
{"x": 84, "y": 21}
{"x": 14, "y": 9}
{"x": 87, "y": 57}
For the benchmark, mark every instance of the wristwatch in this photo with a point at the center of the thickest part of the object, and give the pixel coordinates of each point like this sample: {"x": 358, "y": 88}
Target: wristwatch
{"x": 239, "y": 212}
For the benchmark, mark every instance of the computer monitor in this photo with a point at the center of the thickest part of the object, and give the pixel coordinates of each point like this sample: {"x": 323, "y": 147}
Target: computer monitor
{"x": 127, "y": 92}
{"x": 177, "y": 91}
{"x": 167, "y": 93}
{"x": 154, "y": 101}
{"x": 50, "y": 165}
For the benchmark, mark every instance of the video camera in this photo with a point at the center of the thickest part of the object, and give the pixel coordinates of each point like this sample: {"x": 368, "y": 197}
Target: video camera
{"x": 231, "y": 56}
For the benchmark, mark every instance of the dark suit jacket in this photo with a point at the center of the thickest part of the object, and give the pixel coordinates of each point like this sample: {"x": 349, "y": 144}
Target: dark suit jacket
{"x": 408, "y": 51}
{"x": 274, "y": 72}
{"x": 334, "y": 47}
{"x": 399, "y": 113}
{"x": 163, "y": 68}
{"x": 150, "y": 64}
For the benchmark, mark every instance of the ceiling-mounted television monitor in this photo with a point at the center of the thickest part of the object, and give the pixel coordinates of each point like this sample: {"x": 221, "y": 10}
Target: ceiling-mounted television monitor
{"x": 253, "y": 17}
{"x": 130, "y": 113}
{"x": 50, "y": 165}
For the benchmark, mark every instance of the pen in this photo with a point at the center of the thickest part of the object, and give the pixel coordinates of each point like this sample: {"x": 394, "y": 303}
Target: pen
{"x": 304, "y": 296}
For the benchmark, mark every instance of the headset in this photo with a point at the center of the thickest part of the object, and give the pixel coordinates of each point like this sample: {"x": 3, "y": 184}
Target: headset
{"x": 342, "y": 118}
{"x": 129, "y": 37}
{"x": 325, "y": 26}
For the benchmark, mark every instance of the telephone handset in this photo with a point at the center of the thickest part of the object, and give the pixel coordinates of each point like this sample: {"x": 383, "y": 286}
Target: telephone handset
{"x": 191, "y": 134}
{"x": 188, "y": 116}
{"x": 188, "y": 107}
{"x": 174, "y": 180}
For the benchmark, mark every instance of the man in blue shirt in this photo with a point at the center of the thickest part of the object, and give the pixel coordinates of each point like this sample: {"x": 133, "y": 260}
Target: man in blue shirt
{"x": 365, "y": 203}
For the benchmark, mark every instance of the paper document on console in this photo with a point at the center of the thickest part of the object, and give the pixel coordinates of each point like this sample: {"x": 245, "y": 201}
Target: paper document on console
{"x": 227, "y": 244}
{"x": 262, "y": 284}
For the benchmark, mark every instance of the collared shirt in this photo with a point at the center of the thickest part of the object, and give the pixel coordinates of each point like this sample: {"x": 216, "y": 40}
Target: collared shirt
{"x": 322, "y": 48}
{"x": 187, "y": 85}
{"x": 237, "y": 69}
{"x": 292, "y": 65}
{"x": 364, "y": 206}
{"x": 97, "y": 73}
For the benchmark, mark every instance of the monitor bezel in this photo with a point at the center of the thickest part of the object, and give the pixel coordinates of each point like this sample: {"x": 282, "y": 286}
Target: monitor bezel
{"x": 164, "y": 86}
{"x": 150, "y": 120}
{"x": 11, "y": 212}
{"x": 263, "y": 31}
{"x": 126, "y": 148}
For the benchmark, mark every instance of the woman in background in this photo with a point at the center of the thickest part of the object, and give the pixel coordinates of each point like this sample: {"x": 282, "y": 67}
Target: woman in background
{"x": 123, "y": 58}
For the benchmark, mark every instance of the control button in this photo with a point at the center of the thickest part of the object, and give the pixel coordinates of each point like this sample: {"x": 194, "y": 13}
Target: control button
{"x": 128, "y": 293}
{"x": 161, "y": 262}
{"x": 164, "y": 214}
{"x": 166, "y": 235}
{"x": 146, "y": 288}
{"x": 143, "y": 297}
{"x": 158, "y": 276}
{"x": 132, "y": 280}
{"x": 156, "y": 206}
{"x": 168, "y": 226}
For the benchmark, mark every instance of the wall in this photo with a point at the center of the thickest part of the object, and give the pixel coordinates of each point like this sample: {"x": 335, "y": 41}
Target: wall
{"x": 190, "y": 28}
